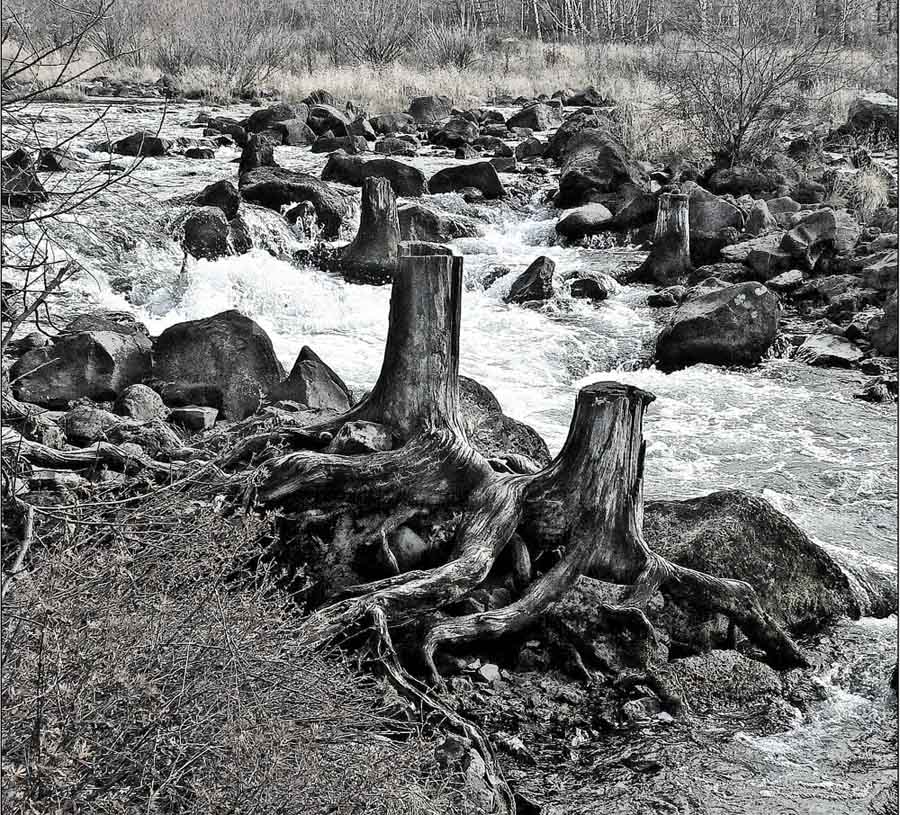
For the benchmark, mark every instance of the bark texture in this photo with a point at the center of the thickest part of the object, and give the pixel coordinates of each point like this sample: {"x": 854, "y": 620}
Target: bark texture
{"x": 669, "y": 261}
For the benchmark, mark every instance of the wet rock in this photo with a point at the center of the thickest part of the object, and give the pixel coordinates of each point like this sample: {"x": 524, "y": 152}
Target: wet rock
{"x": 323, "y": 118}
{"x": 314, "y": 384}
{"x": 204, "y": 153}
{"x": 722, "y": 680}
{"x": 206, "y": 234}
{"x": 535, "y": 283}
{"x": 420, "y": 223}
{"x": 594, "y": 163}
{"x": 732, "y": 326}
{"x": 879, "y": 390}
{"x": 276, "y": 187}
{"x": 140, "y": 403}
{"x": 428, "y": 109}
{"x": 708, "y": 216}
{"x": 195, "y": 418}
{"x": 259, "y": 151}
{"x": 733, "y": 534}
{"x": 594, "y": 286}
{"x": 53, "y": 160}
{"x": 221, "y": 194}
{"x": 94, "y": 363}
{"x": 535, "y": 117}
{"x": 266, "y": 118}
{"x": 665, "y": 298}
{"x": 142, "y": 144}
{"x": 823, "y": 232}
{"x": 228, "y": 355}
{"x": 590, "y": 219}
{"x": 355, "y": 438}
{"x": 19, "y": 184}
{"x": 493, "y": 433}
{"x": 406, "y": 180}
{"x": 387, "y": 124}
{"x": 828, "y": 350}
{"x": 480, "y": 175}
{"x": 884, "y": 332}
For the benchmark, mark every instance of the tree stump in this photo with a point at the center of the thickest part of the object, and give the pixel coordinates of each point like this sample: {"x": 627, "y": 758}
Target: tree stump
{"x": 372, "y": 255}
{"x": 669, "y": 261}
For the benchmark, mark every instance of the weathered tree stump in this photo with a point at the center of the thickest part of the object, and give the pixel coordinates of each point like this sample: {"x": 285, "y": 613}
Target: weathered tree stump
{"x": 372, "y": 255}
{"x": 669, "y": 261}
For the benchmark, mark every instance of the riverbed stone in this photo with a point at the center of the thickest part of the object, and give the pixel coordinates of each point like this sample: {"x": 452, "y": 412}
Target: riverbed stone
{"x": 537, "y": 117}
{"x": 732, "y": 326}
{"x": 421, "y": 223}
{"x": 590, "y": 219}
{"x": 206, "y": 234}
{"x": 313, "y": 383}
{"x": 406, "y": 180}
{"x": 481, "y": 175}
{"x": 535, "y": 283}
{"x": 228, "y": 355}
{"x": 594, "y": 163}
{"x": 141, "y": 403}
{"x": 222, "y": 194}
{"x": 828, "y": 350}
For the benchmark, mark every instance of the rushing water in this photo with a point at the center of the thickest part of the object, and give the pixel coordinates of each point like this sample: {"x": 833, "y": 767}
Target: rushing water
{"x": 792, "y": 433}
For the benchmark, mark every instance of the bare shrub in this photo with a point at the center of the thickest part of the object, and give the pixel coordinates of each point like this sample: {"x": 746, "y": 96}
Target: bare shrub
{"x": 373, "y": 32}
{"x": 452, "y": 46}
{"x": 735, "y": 80}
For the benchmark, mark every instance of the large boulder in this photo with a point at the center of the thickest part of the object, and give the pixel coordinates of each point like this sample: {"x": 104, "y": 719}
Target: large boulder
{"x": 595, "y": 163}
{"x": 535, "y": 283}
{"x": 825, "y": 232}
{"x": 142, "y": 144}
{"x": 231, "y": 127}
{"x": 734, "y": 325}
{"x": 534, "y": 117}
{"x": 828, "y": 350}
{"x": 732, "y": 534}
{"x": 874, "y": 111}
{"x": 206, "y": 234}
{"x": 294, "y": 132}
{"x": 259, "y": 151}
{"x": 222, "y": 194}
{"x": 387, "y": 124}
{"x": 420, "y": 223}
{"x": 588, "y": 97}
{"x": 323, "y": 118}
{"x": 571, "y": 126}
{"x": 313, "y": 383}
{"x": 884, "y": 332}
{"x": 591, "y": 219}
{"x": 429, "y": 109}
{"x": 406, "y": 180}
{"x": 97, "y": 359}
{"x": 739, "y": 180}
{"x": 481, "y": 175}
{"x": 491, "y": 432}
{"x": 19, "y": 184}
{"x": 227, "y": 356}
{"x": 710, "y": 219}
{"x": 277, "y": 187}
{"x": 266, "y": 118}
{"x": 454, "y": 132}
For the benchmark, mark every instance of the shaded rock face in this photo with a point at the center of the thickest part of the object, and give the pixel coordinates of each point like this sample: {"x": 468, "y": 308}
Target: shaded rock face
{"x": 323, "y": 118}
{"x": 530, "y": 148}
{"x": 594, "y": 286}
{"x": 206, "y": 234}
{"x": 481, "y": 176}
{"x": 353, "y": 145}
{"x": 709, "y": 219}
{"x": 141, "y": 403}
{"x": 739, "y": 180}
{"x": 731, "y": 326}
{"x": 590, "y": 219}
{"x": 294, "y": 132}
{"x": 419, "y": 223}
{"x": 258, "y": 152}
{"x": 823, "y": 232}
{"x": 594, "y": 163}
{"x": 95, "y": 362}
{"x": 231, "y": 127}
{"x": 534, "y": 117}
{"x": 221, "y": 194}
{"x": 493, "y": 433}
{"x": 454, "y": 132}
{"x": 884, "y": 334}
{"x": 276, "y": 187}
{"x": 19, "y": 184}
{"x": 266, "y": 118}
{"x": 428, "y": 109}
{"x": 406, "y": 180}
{"x": 732, "y": 534}
{"x": 535, "y": 283}
{"x": 228, "y": 356}
{"x": 387, "y": 124}
{"x": 313, "y": 383}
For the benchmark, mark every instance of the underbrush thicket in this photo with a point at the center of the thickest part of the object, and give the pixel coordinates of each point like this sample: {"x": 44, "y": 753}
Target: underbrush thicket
{"x": 137, "y": 676}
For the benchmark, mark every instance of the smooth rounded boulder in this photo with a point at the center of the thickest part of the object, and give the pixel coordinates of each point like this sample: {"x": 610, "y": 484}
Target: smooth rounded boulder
{"x": 406, "y": 180}
{"x": 734, "y": 325}
{"x": 227, "y": 356}
{"x": 481, "y": 175}
{"x": 420, "y": 223}
{"x": 593, "y": 164}
{"x": 591, "y": 219}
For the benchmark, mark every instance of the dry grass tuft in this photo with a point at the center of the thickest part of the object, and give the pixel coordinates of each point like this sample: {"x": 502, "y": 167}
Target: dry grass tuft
{"x": 136, "y": 678}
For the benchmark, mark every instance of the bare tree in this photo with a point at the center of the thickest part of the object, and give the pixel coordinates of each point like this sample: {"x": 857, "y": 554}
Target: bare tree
{"x": 375, "y": 32}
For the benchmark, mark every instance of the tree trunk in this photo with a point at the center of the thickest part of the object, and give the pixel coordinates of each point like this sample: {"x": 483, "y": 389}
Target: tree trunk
{"x": 669, "y": 261}
{"x": 372, "y": 255}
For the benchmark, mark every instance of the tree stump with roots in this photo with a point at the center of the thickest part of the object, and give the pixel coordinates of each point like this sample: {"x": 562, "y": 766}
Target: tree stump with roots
{"x": 669, "y": 261}
{"x": 583, "y": 512}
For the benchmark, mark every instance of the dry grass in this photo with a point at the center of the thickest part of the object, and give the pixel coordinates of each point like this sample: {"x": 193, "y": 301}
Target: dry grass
{"x": 136, "y": 679}
{"x": 866, "y": 191}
